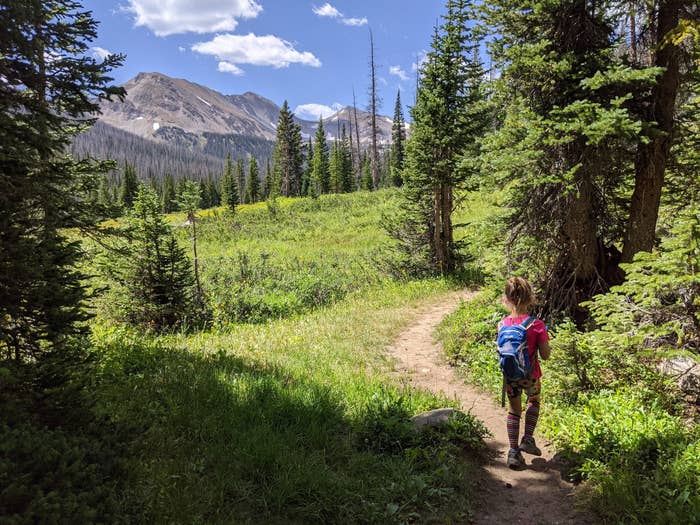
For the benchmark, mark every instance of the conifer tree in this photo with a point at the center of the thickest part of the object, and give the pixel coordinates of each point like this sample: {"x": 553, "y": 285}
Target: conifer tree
{"x": 229, "y": 186}
{"x": 335, "y": 167}
{"x": 449, "y": 89}
{"x": 189, "y": 202}
{"x": 240, "y": 180}
{"x": 398, "y": 137}
{"x": 346, "y": 180}
{"x": 129, "y": 187}
{"x": 49, "y": 93}
{"x": 153, "y": 279}
{"x": 366, "y": 182}
{"x": 308, "y": 169}
{"x": 105, "y": 196}
{"x": 320, "y": 175}
{"x": 288, "y": 157}
{"x": 268, "y": 179}
{"x": 253, "y": 188}
{"x": 169, "y": 205}
{"x": 374, "y": 105}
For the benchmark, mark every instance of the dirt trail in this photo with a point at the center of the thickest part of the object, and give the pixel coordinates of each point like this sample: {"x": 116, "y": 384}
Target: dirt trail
{"x": 536, "y": 495}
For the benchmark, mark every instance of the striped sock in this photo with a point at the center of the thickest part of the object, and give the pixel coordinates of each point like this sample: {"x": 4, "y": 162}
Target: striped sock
{"x": 513, "y": 426}
{"x": 531, "y": 415}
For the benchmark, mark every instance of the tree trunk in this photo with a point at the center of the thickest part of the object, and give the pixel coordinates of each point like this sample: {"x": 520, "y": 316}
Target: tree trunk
{"x": 374, "y": 156}
{"x": 580, "y": 231}
{"x": 651, "y": 158}
{"x": 437, "y": 241}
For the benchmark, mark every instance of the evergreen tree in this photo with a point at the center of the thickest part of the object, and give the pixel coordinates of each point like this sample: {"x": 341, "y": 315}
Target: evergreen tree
{"x": 398, "y": 137}
{"x": 153, "y": 278}
{"x": 190, "y": 201}
{"x": 335, "y": 167}
{"x": 129, "y": 187}
{"x": 320, "y": 175}
{"x": 449, "y": 89}
{"x": 268, "y": 179}
{"x": 346, "y": 179}
{"x": 366, "y": 183}
{"x": 253, "y": 188}
{"x": 288, "y": 157}
{"x": 105, "y": 196}
{"x": 169, "y": 205}
{"x": 308, "y": 169}
{"x": 229, "y": 186}
{"x": 240, "y": 180}
{"x": 204, "y": 201}
{"x": 50, "y": 90}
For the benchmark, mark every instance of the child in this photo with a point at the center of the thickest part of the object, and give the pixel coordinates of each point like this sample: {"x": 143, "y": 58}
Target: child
{"x": 518, "y": 297}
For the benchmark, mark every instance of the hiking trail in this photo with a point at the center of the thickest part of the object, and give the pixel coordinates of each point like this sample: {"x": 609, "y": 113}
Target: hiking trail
{"x": 535, "y": 495}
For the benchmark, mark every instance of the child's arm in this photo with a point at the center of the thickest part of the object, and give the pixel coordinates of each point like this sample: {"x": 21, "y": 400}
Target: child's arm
{"x": 545, "y": 350}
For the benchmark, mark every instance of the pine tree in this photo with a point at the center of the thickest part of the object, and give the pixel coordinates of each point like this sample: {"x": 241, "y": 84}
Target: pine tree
{"x": 320, "y": 175}
{"x": 346, "y": 178}
{"x": 204, "y": 201}
{"x": 229, "y": 187}
{"x": 366, "y": 182}
{"x": 288, "y": 158}
{"x": 398, "y": 137}
{"x": 129, "y": 187}
{"x": 49, "y": 92}
{"x": 450, "y": 87}
{"x": 104, "y": 196}
{"x": 308, "y": 169}
{"x": 374, "y": 105}
{"x": 189, "y": 201}
{"x": 253, "y": 188}
{"x": 152, "y": 278}
{"x": 335, "y": 167}
{"x": 168, "y": 201}
{"x": 240, "y": 180}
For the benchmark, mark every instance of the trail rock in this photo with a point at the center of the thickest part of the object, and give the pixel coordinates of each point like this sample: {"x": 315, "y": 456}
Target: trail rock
{"x": 433, "y": 418}
{"x": 686, "y": 372}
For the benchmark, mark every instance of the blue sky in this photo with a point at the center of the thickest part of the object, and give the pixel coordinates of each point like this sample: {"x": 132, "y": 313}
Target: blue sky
{"x": 311, "y": 53}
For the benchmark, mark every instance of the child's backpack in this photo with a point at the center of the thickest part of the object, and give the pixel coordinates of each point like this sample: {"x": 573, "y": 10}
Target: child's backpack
{"x": 512, "y": 350}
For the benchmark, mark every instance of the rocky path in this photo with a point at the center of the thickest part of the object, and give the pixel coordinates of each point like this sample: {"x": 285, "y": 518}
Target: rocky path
{"x": 535, "y": 495}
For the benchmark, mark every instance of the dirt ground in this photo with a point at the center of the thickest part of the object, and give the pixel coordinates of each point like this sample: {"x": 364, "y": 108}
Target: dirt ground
{"x": 535, "y": 495}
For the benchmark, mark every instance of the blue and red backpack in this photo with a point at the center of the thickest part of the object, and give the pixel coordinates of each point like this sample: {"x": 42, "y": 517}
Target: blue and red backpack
{"x": 513, "y": 354}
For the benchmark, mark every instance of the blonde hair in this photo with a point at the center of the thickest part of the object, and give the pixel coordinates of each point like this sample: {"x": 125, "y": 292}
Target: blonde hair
{"x": 519, "y": 293}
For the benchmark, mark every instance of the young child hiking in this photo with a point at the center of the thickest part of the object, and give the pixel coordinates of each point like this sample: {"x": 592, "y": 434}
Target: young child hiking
{"x": 522, "y": 339}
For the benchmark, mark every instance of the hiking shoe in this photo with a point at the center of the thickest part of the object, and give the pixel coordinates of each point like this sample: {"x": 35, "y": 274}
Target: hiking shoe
{"x": 528, "y": 445}
{"x": 515, "y": 459}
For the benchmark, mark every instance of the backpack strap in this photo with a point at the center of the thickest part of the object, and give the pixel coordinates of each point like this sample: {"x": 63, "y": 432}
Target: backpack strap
{"x": 528, "y": 322}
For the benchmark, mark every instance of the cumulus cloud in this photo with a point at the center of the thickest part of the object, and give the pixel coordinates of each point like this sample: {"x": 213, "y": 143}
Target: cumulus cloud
{"x": 267, "y": 50}
{"x": 396, "y": 70}
{"x": 313, "y": 111}
{"x": 329, "y": 11}
{"x": 228, "y": 67}
{"x": 170, "y": 17}
{"x": 100, "y": 53}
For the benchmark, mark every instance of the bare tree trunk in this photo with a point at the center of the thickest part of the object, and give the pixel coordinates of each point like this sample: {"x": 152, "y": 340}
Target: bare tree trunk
{"x": 374, "y": 160}
{"x": 650, "y": 162}
{"x": 579, "y": 229}
{"x": 633, "y": 31}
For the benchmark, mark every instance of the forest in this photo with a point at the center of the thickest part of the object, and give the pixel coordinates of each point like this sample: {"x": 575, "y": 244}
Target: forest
{"x": 210, "y": 347}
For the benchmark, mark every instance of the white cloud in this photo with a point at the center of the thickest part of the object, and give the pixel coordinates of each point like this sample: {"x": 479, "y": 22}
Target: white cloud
{"x": 355, "y": 22}
{"x": 228, "y": 67}
{"x": 100, "y": 53}
{"x": 328, "y": 11}
{"x": 267, "y": 50}
{"x": 170, "y": 17}
{"x": 396, "y": 70}
{"x": 181, "y": 49}
{"x": 313, "y": 111}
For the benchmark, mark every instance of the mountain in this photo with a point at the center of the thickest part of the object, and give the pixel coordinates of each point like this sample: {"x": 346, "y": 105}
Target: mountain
{"x": 173, "y": 125}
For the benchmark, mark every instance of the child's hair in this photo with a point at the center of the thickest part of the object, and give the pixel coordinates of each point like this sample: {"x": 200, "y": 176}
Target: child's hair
{"x": 519, "y": 292}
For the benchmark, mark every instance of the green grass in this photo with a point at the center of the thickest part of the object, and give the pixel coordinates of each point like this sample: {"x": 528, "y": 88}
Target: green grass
{"x": 294, "y": 421}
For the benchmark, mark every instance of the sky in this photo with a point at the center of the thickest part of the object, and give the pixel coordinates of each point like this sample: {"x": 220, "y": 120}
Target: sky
{"x": 312, "y": 54}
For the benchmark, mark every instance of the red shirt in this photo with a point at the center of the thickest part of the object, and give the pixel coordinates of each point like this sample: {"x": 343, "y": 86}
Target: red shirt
{"x": 536, "y": 336}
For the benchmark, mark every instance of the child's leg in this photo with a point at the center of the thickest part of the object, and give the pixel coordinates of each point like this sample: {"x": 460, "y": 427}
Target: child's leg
{"x": 532, "y": 413}
{"x": 513, "y": 420}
